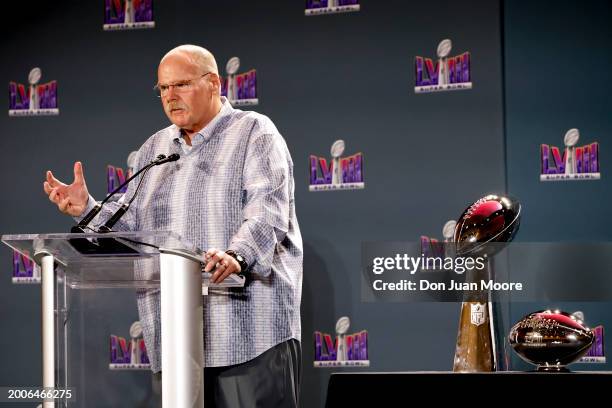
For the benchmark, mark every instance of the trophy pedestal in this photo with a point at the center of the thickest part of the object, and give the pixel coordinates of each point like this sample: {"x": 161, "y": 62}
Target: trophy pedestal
{"x": 397, "y": 388}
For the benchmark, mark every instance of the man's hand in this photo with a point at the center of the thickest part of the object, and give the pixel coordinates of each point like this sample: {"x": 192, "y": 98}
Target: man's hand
{"x": 70, "y": 199}
{"x": 223, "y": 264}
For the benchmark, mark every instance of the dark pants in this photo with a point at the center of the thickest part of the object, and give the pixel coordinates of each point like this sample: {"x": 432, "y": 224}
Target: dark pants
{"x": 269, "y": 380}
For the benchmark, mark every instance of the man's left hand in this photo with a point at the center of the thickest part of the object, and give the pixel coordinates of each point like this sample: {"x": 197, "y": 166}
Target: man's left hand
{"x": 222, "y": 264}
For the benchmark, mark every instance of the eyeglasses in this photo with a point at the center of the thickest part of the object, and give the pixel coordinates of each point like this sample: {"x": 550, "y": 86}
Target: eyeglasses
{"x": 179, "y": 87}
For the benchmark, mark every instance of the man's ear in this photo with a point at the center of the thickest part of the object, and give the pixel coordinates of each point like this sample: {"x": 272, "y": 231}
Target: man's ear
{"x": 215, "y": 83}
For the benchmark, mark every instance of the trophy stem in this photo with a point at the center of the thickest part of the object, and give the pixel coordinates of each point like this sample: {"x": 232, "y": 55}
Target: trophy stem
{"x": 475, "y": 350}
{"x": 497, "y": 327}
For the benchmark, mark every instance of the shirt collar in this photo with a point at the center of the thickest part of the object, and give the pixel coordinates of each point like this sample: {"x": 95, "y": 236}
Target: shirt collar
{"x": 208, "y": 131}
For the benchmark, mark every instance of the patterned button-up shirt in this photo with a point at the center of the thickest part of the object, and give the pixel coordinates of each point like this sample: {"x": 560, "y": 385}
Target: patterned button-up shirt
{"x": 232, "y": 189}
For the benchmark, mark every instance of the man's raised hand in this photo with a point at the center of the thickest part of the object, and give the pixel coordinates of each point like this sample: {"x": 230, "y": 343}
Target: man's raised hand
{"x": 70, "y": 199}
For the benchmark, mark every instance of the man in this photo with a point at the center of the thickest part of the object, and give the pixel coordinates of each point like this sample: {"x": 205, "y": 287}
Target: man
{"x": 231, "y": 192}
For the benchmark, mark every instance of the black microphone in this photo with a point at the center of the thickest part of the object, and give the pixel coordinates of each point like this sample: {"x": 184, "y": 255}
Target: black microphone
{"x": 108, "y": 225}
{"x": 171, "y": 158}
{"x": 81, "y": 226}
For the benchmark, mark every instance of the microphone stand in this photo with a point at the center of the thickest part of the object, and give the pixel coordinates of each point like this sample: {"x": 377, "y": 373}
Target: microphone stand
{"x": 109, "y": 246}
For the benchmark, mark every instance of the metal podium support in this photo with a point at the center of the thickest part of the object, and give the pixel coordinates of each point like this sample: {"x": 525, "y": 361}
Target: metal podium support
{"x": 181, "y": 330}
{"x": 46, "y": 261}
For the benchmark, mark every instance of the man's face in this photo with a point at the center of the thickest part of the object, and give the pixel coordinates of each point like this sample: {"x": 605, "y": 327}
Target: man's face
{"x": 187, "y": 105}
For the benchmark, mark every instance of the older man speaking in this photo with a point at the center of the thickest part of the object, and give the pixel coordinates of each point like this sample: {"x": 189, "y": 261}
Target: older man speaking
{"x": 231, "y": 193}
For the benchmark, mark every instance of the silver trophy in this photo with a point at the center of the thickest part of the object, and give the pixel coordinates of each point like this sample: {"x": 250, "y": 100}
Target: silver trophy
{"x": 444, "y": 48}
{"x": 231, "y": 68}
{"x": 342, "y": 326}
{"x": 336, "y": 151}
{"x": 570, "y": 140}
{"x": 132, "y": 160}
{"x": 33, "y": 79}
{"x": 448, "y": 232}
{"x": 129, "y": 12}
{"x": 135, "y": 334}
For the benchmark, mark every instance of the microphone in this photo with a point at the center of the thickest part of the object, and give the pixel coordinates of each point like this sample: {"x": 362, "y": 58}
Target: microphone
{"x": 171, "y": 158}
{"x": 81, "y": 226}
{"x": 161, "y": 159}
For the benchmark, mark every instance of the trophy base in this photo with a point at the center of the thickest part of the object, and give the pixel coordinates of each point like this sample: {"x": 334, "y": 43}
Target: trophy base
{"x": 552, "y": 369}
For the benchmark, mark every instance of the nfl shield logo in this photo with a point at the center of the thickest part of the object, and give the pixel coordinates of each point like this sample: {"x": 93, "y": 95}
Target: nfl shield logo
{"x": 478, "y": 313}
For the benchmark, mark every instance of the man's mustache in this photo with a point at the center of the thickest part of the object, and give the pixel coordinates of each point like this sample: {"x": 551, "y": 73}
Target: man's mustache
{"x": 173, "y": 106}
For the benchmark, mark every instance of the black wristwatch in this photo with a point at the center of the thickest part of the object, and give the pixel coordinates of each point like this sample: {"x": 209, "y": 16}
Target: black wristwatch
{"x": 240, "y": 259}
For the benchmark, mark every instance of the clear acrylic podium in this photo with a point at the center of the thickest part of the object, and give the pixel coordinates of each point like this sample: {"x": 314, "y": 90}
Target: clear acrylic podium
{"x": 137, "y": 260}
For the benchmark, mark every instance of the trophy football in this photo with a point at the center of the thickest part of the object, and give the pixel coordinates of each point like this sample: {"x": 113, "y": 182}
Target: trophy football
{"x": 493, "y": 219}
{"x": 551, "y": 339}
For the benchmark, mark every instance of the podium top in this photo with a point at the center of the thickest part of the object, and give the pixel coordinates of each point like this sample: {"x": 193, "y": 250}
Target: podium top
{"x": 108, "y": 260}
{"x": 68, "y": 248}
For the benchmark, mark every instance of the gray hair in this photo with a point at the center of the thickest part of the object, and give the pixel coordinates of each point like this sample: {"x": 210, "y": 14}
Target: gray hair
{"x": 198, "y": 55}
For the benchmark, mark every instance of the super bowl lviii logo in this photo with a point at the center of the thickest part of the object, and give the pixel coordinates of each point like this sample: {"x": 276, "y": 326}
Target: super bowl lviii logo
{"x": 24, "y": 269}
{"x": 317, "y": 7}
{"x": 596, "y": 352}
{"x": 128, "y": 14}
{"x": 448, "y": 74}
{"x": 130, "y": 355}
{"x": 116, "y": 176}
{"x": 342, "y": 173}
{"x": 348, "y": 349}
{"x": 240, "y": 89}
{"x": 34, "y": 100}
{"x": 431, "y": 247}
{"x": 577, "y": 163}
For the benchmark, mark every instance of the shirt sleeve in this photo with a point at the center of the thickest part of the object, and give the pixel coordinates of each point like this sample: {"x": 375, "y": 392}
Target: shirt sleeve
{"x": 266, "y": 180}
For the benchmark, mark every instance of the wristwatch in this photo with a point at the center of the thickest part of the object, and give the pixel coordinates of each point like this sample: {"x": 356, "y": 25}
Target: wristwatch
{"x": 240, "y": 259}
